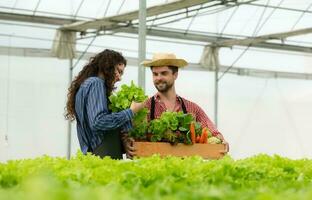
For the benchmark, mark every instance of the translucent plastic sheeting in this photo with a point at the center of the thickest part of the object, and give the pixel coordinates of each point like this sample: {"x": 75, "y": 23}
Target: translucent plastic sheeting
{"x": 256, "y": 115}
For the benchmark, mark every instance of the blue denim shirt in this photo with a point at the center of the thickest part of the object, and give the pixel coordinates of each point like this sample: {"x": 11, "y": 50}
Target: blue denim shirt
{"x": 93, "y": 116}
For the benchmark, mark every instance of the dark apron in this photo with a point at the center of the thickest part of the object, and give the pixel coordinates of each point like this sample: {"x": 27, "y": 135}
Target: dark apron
{"x": 111, "y": 145}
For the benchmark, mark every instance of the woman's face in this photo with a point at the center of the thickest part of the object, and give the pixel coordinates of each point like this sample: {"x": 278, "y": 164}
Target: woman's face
{"x": 119, "y": 70}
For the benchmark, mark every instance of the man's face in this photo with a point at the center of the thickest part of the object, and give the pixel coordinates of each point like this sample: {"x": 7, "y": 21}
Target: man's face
{"x": 163, "y": 78}
{"x": 119, "y": 70}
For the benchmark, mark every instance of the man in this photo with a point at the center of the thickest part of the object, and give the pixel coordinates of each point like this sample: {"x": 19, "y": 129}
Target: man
{"x": 165, "y": 68}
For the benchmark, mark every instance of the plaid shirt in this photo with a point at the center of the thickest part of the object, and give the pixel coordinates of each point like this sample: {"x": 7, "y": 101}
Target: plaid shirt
{"x": 192, "y": 108}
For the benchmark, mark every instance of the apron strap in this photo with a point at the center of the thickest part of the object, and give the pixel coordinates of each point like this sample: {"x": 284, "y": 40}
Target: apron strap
{"x": 152, "y": 111}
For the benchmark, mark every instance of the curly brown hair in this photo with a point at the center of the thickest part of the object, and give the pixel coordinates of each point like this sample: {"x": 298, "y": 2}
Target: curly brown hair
{"x": 103, "y": 63}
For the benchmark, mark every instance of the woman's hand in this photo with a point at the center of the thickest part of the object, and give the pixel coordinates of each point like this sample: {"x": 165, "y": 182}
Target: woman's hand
{"x": 136, "y": 106}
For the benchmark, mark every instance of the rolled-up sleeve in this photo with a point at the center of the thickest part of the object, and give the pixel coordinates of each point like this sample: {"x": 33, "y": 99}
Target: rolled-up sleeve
{"x": 97, "y": 109}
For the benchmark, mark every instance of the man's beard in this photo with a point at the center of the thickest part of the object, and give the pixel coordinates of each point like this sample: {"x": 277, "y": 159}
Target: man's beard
{"x": 163, "y": 86}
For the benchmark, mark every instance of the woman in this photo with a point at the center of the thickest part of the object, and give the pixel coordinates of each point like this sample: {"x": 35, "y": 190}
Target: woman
{"x": 99, "y": 130}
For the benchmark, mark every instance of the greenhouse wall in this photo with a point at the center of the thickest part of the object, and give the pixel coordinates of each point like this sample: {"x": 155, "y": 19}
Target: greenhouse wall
{"x": 256, "y": 115}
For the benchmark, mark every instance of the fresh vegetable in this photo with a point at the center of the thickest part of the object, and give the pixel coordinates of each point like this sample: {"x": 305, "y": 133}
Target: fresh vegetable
{"x": 188, "y": 138}
{"x": 214, "y": 140}
{"x": 197, "y": 138}
{"x": 204, "y": 136}
{"x": 171, "y": 122}
{"x": 192, "y": 132}
{"x": 171, "y": 127}
{"x": 122, "y": 100}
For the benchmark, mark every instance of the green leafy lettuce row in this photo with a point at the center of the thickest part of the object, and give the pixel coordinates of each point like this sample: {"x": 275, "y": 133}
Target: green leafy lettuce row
{"x": 257, "y": 177}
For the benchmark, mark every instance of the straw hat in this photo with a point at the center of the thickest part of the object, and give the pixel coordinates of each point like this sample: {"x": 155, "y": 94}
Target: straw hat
{"x": 162, "y": 59}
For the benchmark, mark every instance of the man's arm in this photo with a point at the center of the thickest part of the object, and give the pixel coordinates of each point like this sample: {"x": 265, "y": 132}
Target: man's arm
{"x": 206, "y": 122}
{"x": 200, "y": 116}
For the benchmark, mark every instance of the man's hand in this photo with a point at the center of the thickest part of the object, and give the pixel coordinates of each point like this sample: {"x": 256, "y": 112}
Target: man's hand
{"x": 128, "y": 144}
{"x": 227, "y": 147}
{"x": 226, "y": 144}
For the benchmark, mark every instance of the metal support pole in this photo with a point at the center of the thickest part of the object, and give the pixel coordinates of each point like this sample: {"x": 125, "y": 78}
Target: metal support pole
{"x": 69, "y": 128}
{"x": 142, "y": 43}
{"x": 216, "y": 95}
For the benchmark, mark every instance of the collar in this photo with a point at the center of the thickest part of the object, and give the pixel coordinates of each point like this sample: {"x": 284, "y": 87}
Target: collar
{"x": 157, "y": 97}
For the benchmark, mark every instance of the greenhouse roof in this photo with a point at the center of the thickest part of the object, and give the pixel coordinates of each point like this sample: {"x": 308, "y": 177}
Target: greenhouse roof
{"x": 242, "y": 28}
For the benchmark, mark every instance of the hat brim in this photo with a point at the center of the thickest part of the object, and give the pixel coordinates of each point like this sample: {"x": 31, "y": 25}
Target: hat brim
{"x": 165, "y": 62}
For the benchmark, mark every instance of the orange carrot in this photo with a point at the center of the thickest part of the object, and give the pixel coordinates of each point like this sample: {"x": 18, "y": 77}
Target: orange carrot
{"x": 193, "y": 134}
{"x": 204, "y": 136}
{"x": 197, "y": 138}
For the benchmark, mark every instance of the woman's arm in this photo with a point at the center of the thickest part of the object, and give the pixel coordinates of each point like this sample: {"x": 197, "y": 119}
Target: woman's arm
{"x": 97, "y": 109}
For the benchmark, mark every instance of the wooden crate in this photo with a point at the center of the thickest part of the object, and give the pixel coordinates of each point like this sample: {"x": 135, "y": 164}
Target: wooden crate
{"x": 206, "y": 151}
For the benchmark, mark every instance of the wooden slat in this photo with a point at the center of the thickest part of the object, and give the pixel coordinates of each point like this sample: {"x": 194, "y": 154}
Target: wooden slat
{"x": 206, "y": 151}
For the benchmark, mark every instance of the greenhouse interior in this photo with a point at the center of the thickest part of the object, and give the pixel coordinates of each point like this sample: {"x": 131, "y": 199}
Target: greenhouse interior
{"x": 249, "y": 69}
